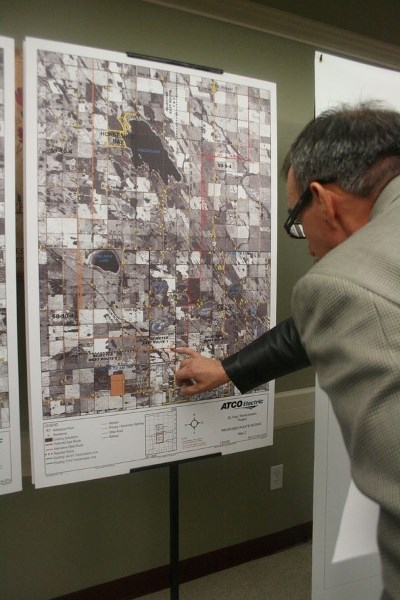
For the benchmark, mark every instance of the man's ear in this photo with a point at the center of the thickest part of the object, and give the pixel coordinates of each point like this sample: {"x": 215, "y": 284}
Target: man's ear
{"x": 326, "y": 202}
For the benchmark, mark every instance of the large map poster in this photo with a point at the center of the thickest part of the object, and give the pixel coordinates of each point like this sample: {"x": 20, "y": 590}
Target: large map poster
{"x": 150, "y": 225}
{"x": 10, "y": 444}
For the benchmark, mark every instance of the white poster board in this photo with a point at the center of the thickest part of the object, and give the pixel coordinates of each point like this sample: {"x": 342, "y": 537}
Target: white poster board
{"x": 151, "y": 224}
{"x": 339, "y": 80}
{"x": 344, "y": 566}
{"x": 10, "y": 443}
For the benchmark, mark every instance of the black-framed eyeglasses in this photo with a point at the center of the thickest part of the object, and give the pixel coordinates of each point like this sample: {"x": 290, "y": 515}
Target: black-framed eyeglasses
{"x": 292, "y": 225}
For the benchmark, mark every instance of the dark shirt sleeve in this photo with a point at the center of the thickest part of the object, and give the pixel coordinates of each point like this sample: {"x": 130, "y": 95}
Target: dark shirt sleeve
{"x": 277, "y": 352}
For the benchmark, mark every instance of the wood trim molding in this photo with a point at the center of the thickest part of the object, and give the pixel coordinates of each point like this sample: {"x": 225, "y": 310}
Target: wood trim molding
{"x": 294, "y": 407}
{"x": 276, "y": 22}
{"x": 154, "y": 580}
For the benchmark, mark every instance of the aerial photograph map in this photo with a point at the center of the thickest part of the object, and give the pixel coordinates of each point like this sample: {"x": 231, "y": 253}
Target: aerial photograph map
{"x": 4, "y": 392}
{"x": 154, "y": 227}
{"x": 10, "y": 439}
{"x": 150, "y": 220}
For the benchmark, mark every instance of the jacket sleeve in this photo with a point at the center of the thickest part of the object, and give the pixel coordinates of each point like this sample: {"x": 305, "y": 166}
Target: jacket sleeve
{"x": 277, "y": 352}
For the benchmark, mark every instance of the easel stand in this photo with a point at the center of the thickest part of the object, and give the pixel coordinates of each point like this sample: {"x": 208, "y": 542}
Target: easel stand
{"x": 174, "y": 517}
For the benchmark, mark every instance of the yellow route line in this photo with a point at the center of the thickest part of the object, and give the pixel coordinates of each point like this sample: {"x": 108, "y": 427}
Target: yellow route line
{"x": 125, "y": 129}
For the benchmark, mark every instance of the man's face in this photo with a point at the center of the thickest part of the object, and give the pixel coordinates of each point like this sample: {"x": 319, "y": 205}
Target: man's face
{"x": 319, "y": 235}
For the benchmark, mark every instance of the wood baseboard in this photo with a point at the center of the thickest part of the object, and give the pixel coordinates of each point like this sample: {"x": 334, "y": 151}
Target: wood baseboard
{"x": 154, "y": 580}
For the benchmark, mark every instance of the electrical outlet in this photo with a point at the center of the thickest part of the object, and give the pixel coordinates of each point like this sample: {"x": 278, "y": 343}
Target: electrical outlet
{"x": 276, "y": 477}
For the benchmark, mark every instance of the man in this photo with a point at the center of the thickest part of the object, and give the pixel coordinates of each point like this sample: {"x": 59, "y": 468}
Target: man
{"x": 343, "y": 185}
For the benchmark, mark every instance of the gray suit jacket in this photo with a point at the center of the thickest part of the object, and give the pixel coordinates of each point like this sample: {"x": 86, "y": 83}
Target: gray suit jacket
{"x": 347, "y": 312}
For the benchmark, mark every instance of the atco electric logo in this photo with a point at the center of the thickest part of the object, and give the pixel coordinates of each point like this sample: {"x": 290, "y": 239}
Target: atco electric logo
{"x": 242, "y": 404}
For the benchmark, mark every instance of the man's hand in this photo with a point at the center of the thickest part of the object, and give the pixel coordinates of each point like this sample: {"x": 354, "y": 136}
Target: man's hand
{"x": 198, "y": 374}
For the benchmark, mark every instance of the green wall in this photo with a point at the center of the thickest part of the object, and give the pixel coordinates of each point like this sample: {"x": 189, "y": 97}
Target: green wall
{"x": 57, "y": 540}
{"x": 62, "y": 539}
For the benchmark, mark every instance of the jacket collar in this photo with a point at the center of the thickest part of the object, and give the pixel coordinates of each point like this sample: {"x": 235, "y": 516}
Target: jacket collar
{"x": 389, "y": 194}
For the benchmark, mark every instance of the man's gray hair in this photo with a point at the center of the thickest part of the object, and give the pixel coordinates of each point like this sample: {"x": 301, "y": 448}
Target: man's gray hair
{"x": 357, "y": 147}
